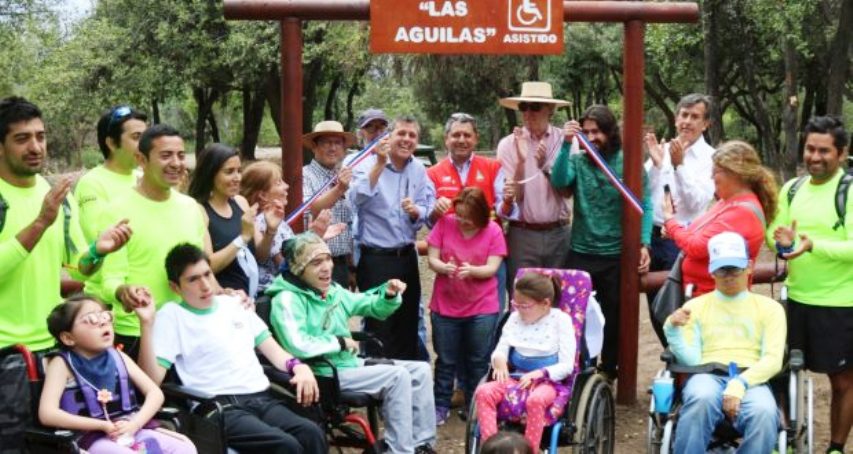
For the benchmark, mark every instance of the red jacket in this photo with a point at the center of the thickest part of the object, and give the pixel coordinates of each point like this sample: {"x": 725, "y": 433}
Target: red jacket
{"x": 481, "y": 174}
{"x": 732, "y": 215}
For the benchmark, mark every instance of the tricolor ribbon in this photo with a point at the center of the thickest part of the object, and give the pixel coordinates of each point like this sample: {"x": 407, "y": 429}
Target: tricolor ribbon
{"x": 356, "y": 160}
{"x": 599, "y": 161}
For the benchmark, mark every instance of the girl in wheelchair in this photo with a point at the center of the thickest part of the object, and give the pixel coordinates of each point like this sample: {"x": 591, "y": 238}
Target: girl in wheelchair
{"x": 535, "y": 352}
{"x": 89, "y": 386}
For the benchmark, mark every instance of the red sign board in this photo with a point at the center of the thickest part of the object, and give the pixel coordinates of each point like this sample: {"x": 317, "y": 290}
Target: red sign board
{"x": 533, "y": 27}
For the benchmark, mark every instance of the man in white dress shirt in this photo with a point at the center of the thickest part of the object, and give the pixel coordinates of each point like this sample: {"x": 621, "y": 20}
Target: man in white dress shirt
{"x": 684, "y": 166}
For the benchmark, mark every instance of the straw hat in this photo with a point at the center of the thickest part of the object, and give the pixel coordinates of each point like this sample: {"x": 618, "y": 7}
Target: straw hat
{"x": 328, "y": 128}
{"x": 538, "y": 92}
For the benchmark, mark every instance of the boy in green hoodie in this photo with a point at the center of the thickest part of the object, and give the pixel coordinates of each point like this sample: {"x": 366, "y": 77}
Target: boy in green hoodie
{"x": 310, "y": 317}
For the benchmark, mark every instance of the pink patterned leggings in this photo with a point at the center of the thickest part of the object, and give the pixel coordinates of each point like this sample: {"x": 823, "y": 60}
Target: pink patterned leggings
{"x": 489, "y": 395}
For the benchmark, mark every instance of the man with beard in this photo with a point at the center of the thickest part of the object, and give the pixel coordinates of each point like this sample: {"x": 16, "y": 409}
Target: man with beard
{"x": 392, "y": 197}
{"x": 39, "y": 230}
{"x": 684, "y": 165}
{"x": 162, "y": 218}
{"x": 597, "y": 227}
{"x": 813, "y": 230}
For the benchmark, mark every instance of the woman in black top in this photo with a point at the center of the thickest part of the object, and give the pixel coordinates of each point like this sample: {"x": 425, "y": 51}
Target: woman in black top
{"x": 231, "y": 241}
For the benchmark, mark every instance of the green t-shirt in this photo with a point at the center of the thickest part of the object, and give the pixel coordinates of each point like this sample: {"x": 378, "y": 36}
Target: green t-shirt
{"x": 157, "y": 228}
{"x": 824, "y": 276}
{"x": 93, "y": 192}
{"x": 29, "y": 281}
{"x": 597, "y": 213}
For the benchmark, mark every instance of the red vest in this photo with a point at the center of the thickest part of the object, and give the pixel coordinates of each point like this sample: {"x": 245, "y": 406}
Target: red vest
{"x": 481, "y": 174}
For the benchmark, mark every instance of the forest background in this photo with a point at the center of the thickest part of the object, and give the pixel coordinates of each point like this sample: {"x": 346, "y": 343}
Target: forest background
{"x": 770, "y": 64}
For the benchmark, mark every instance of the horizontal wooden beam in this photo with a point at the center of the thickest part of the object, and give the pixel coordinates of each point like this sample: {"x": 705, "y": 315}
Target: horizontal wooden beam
{"x": 574, "y": 11}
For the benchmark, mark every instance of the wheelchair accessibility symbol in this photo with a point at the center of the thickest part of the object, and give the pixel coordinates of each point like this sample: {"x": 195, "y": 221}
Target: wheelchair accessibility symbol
{"x": 530, "y": 15}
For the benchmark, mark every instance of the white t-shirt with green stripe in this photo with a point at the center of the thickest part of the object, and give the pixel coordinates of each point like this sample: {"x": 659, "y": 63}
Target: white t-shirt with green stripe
{"x": 213, "y": 349}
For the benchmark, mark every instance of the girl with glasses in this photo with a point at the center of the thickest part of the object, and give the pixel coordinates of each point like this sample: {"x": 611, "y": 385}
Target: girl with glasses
{"x": 91, "y": 387}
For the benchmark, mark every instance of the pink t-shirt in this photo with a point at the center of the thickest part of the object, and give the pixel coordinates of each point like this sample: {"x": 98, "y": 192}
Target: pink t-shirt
{"x": 454, "y": 297}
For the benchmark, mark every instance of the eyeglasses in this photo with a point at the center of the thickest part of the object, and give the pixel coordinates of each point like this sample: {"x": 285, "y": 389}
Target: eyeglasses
{"x": 531, "y": 106}
{"x": 522, "y": 305}
{"x": 728, "y": 271}
{"x": 96, "y": 318}
{"x": 118, "y": 114}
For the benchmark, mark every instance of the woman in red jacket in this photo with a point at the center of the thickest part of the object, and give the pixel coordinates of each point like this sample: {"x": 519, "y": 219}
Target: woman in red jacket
{"x": 746, "y": 195}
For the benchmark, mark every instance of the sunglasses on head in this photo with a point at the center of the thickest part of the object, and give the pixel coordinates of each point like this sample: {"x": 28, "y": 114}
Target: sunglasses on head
{"x": 118, "y": 114}
{"x": 531, "y": 106}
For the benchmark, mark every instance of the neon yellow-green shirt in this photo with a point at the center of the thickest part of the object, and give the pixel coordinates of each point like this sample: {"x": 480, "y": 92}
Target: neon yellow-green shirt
{"x": 824, "y": 276}
{"x": 93, "y": 192}
{"x": 748, "y": 329}
{"x": 157, "y": 228}
{"x": 29, "y": 281}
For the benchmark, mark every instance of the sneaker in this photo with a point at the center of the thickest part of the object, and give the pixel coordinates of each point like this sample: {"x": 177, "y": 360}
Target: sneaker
{"x": 441, "y": 415}
{"x": 425, "y": 448}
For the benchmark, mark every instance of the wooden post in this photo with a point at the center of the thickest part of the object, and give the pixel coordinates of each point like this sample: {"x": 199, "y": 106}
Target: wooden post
{"x": 291, "y": 112}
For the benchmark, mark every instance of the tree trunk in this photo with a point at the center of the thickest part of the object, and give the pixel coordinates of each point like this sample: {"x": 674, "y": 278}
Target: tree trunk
{"x": 328, "y": 110}
{"x": 155, "y": 111}
{"x": 214, "y": 127}
{"x": 839, "y": 59}
{"x": 710, "y": 26}
{"x": 789, "y": 112}
{"x": 272, "y": 92}
{"x": 201, "y": 117}
{"x": 253, "y": 116}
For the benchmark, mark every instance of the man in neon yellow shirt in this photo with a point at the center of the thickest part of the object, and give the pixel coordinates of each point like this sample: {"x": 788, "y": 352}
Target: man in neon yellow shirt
{"x": 729, "y": 325}
{"x": 39, "y": 230}
{"x": 814, "y": 232}
{"x": 119, "y": 130}
{"x": 161, "y": 218}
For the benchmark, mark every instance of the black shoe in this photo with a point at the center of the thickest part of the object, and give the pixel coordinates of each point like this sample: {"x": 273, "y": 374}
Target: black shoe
{"x": 424, "y": 449}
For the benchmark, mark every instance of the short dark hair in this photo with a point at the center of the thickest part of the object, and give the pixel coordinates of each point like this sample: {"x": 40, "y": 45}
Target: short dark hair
{"x": 208, "y": 163}
{"x": 691, "y": 100}
{"x": 478, "y": 207}
{"x": 111, "y": 125}
{"x": 61, "y": 318}
{"x": 15, "y": 109}
{"x": 831, "y": 125}
{"x": 506, "y": 442}
{"x": 180, "y": 258}
{"x": 155, "y": 132}
{"x": 606, "y": 121}
{"x": 538, "y": 286}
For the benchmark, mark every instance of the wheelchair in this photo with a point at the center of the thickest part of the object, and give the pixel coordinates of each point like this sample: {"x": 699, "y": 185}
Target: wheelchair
{"x": 345, "y": 426}
{"x": 31, "y": 436}
{"x": 587, "y": 424}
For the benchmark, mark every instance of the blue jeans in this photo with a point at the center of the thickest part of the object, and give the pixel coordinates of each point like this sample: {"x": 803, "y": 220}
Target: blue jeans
{"x": 757, "y": 420}
{"x": 465, "y": 340}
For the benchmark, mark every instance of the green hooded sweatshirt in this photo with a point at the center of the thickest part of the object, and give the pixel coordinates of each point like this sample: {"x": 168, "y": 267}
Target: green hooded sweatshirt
{"x": 308, "y": 325}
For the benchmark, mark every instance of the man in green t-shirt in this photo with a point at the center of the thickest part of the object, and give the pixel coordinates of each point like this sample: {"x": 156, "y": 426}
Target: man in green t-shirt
{"x": 39, "y": 230}
{"x": 815, "y": 235}
{"x": 161, "y": 218}
{"x": 119, "y": 130}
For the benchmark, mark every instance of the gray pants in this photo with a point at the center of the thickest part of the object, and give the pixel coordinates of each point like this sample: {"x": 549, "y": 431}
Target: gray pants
{"x": 408, "y": 407}
{"x": 536, "y": 249}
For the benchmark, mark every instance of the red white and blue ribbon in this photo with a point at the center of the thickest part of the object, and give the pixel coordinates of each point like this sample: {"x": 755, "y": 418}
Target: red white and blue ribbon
{"x": 599, "y": 161}
{"x": 354, "y": 161}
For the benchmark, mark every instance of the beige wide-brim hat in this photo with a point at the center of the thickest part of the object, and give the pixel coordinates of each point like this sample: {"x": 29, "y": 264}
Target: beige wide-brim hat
{"x": 539, "y": 92}
{"x": 328, "y": 128}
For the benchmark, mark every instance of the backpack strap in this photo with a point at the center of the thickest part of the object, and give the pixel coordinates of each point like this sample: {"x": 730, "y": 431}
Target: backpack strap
{"x": 795, "y": 187}
{"x": 4, "y": 208}
{"x": 90, "y": 394}
{"x": 128, "y": 400}
{"x": 841, "y": 193}
{"x": 756, "y": 210}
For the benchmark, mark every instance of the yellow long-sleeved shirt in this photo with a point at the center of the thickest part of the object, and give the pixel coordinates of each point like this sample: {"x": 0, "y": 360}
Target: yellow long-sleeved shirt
{"x": 747, "y": 329}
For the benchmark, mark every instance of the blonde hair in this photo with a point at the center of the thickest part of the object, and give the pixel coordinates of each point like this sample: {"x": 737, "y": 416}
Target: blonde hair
{"x": 740, "y": 159}
{"x": 258, "y": 177}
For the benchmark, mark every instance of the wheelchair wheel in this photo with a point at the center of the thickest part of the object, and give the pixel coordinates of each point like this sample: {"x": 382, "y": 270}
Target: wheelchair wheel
{"x": 472, "y": 430}
{"x": 595, "y": 417}
{"x": 802, "y": 427}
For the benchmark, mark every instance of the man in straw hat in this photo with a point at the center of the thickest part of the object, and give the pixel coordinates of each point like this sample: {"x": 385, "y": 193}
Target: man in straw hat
{"x": 539, "y": 230}
{"x": 329, "y": 144}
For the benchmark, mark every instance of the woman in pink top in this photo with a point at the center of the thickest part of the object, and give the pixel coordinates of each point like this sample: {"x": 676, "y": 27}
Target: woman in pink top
{"x": 747, "y": 197}
{"x": 465, "y": 251}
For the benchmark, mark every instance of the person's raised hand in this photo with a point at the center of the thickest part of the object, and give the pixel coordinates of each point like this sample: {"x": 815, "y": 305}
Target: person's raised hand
{"x": 133, "y": 296}
{"x": 655, "y": 148}
{"x": 786, "y": 235}
{"x": 442, "y": 204}
{"x": 344, "y": 180}
{"x": 321, "y": 222}
{"x": 113, "y": 238}
{"x": 804, "y": 246}
{"x": 53, "y": 200}
{"x": 381, "y": 150}
{"x": 676, "y": 152}
{"x": 570, "y": 129}
{"x": 395, "y": 287}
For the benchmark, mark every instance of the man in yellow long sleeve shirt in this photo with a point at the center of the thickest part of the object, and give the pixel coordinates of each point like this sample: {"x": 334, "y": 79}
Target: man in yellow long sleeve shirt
{"x": 729, "y": 325}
